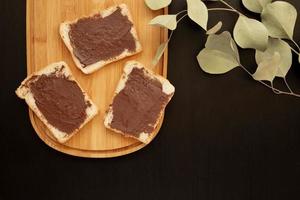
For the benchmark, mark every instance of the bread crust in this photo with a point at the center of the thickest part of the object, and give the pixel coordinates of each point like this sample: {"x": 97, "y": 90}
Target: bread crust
{"x": 24, "y": 92}
{"x": 168, "y": 89}
{"x": 65, "y": 29}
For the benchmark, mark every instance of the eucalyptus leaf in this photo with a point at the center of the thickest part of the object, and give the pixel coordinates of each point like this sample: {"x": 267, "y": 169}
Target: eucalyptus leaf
{"x": 159, "y": 53}
{"x": 197, "y": 11}
{"x": 157, "y": 4}
{"x": 218, "y": 56}
{"x": 280, "y": 46}
{"x": 166, "y": 21}
{"x": 216, "y": 28}
{"x": 280, "y": 18}
{"x": 250, "y": 33}
{"x": 216, "y": 62}
{"x": 224, "y": 43}
{"x": 268, "y": 68}
{"x": 255, "y": 5}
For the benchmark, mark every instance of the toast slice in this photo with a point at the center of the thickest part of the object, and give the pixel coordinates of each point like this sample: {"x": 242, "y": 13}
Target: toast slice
{"x": 58, "y": 100}
{"x": 100, "y": 39}
{"x": 138, "y": 103}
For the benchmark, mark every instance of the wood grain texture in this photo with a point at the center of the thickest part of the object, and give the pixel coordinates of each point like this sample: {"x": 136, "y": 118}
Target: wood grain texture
{"x": 45, "y": 46}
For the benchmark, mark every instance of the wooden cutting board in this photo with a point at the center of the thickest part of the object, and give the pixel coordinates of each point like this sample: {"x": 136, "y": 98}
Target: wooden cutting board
{"x": 45, "y": 46}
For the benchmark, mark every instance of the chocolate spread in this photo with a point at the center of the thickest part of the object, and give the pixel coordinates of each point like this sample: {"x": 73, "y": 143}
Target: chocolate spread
{"x": 60, "y": 100}
{"x": 96, "y": 38}
{"x": 137, "y": 107}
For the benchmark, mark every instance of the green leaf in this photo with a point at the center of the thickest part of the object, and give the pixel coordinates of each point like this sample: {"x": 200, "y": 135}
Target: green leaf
{"x": 219, "y": 56}
{"x": 255, "y": 5}
{"x": 198, "y": 12}
{"x": 216, "y": 62}
{"x": 250, "y": 33}
{"x": 280, "y": 18}
{"x": 160, "y": 51}
{"x": 157, "y": 4}
{"x": 166, "y": 21}
{"x": 280, "y": 46}
{"x": 268, "y": 68}
{"x": 215, "y": 28}
{"x": 224, "y": 43}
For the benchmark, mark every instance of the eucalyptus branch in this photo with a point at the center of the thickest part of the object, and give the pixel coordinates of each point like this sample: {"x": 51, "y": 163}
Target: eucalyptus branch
{"x": 223, "y": 9}
{"x": 181, "y": 12}
{"x": 295, "y": 43}
{"x": 181, "y": 18}
{"x": 289, "y": 93}
{"x": 163, "y": 47}
{"x": 275, "y": 90}
{"x": 171, "y": 34}
{"x": 295, "y": 51}
{"x": 232, "y": 8}
{"x": 292, "y": 48}
{"x": 221, "y": 53}
{"x": 263, "y": 83}
{"x": 287, "y": 85}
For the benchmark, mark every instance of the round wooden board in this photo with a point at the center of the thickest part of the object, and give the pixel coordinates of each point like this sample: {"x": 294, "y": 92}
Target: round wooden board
{"x": 44, "y": 46}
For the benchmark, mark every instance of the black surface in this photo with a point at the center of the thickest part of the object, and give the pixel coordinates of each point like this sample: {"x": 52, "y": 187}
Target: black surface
{"x": 224, "y": 137}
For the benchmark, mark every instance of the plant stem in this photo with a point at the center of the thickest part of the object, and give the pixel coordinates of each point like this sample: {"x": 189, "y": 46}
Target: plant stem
{"x": 296, "y": 52}
{"x": 295, "y": 43}
{"x": 223, "y": 9}
{"x": 171, "y": 34}
{"x": 232, "y": 8}
{"x": 181, "y": 12}
{"x": 288, "y": 93}
{"x": 275, "y": 90}
{"x": 181, "y": 18}
{"x": 246, "y": 70}
{"x": 287, "y": 85}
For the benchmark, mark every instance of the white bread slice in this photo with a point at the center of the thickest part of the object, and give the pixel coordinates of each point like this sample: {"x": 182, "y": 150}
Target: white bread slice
{"x": 24, "y": 93}
{"x": 167, "y": 88}
{"x": 64, "y": 33}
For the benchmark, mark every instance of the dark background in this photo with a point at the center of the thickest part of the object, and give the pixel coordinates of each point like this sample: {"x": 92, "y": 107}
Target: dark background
{"x": 224, "y": 137}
